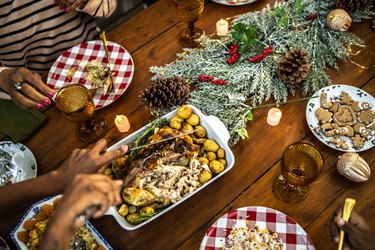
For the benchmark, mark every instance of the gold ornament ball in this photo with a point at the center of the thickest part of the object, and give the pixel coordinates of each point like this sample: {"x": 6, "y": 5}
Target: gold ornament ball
{"x": 353, "y": 167}
{"x": 339, "y": 20}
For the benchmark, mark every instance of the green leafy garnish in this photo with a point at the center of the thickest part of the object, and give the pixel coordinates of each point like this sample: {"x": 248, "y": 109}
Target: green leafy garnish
{"x": 248, "y": 115}
{"x": 244, "y": 37}
{"x": 299, "y": 7}
{"x": 282, "y": 19}
{"x": 242, "y": 132}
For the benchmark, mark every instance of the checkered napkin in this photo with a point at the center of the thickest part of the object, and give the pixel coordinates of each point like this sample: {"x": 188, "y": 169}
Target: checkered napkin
{"x": 292, "y": 234}
{"x": 74, "y": 59}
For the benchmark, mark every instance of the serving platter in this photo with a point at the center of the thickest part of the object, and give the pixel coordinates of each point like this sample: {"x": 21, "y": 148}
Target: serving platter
{"x": 23, "y": 160}
{"x": 216, "y": 130}
{"x": 34, "y": 209}
{"x": 335, "y": 91}
{"x": 292, "y": 235}
{"x": 234, "y": 2}
{"x": 69, "y": 68}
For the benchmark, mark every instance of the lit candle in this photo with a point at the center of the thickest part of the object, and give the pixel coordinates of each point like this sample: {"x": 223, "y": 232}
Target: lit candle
{"x": 122, "y": 123}
{"x": 274, "y": 116}
{"x": 221, "y": 27}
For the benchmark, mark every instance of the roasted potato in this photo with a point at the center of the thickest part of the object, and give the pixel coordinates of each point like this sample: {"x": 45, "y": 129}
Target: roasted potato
{"x": 220, "y": 153}
{"x": 216, "y": 166}
{"x": 193, "y": 120}
{"x": 199, "y": 141}
{"x": 223, "y": 161}
{"x": 29, "y": 225}
{"x": 23, "y": 236}
{"x": 123, "y": 210}
{"x": 204, "y": 176}
{"x": 186, "y": 127}
{"x": 148, "y": 210}
{"x": 211, "y": 156}
{"x": 211, "y": 145}
{"x": 200, "y": 131}
{"x": 175, "y": 122}
{"x": 184, "y": 111}
{"x": 203, "y": 160}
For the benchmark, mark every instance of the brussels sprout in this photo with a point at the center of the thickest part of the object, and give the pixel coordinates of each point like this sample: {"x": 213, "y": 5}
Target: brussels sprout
{"x": 184, "y": 111}
{"x": 135, "y": 218}
{"x": 210, "y": 145}
{"x": 123, "y": 210}
{"x": 204, "y": 176}
{"x": 220, "y": 153}
{"x": 200, "y": 131}
{"x": 193, "y": 120}
{"x": 216, "y": 166}
{"x": 211, "y": 156}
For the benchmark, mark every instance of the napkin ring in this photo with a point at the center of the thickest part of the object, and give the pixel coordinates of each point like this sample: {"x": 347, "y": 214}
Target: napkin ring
{"x": 18, "y": 85}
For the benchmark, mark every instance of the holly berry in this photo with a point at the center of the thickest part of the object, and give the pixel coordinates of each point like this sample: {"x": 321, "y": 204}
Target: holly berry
{"x": 233, "y": 51}
{"x": 211, "y": 79}
{"x": 260, "y": 57}
{"x": 311, "y": 17}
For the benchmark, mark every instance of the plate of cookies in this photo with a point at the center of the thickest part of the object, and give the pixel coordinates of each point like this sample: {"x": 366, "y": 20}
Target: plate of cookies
{"x": 343, "y": 118}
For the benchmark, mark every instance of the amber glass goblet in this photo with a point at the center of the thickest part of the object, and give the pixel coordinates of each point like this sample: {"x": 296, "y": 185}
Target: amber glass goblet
{"x": 75, "y": 101}
{"x": 301, "y": 164}
{"x": 189, "y": 11}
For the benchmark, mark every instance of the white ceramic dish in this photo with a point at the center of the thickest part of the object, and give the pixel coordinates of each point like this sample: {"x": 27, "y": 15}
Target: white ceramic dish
{"x": 335, "y": 91}
{"x": 234, "y": 2}
{"x": 215, "y": 130}
{"x": 31, "y": 214}
{"x": 24, "y": 160}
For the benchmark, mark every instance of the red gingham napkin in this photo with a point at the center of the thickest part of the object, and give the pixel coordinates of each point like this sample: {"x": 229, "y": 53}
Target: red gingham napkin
{"x": 292, "y": 234}
{"x": 74, "y": 59}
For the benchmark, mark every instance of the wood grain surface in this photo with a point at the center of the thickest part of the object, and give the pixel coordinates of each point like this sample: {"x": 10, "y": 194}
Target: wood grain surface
{"x": 150, "y": 37}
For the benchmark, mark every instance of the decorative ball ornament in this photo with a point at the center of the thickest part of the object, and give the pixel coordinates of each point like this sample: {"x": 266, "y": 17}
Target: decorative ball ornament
{"x": 353, "y": 167}
{"x": 339, "y": 20}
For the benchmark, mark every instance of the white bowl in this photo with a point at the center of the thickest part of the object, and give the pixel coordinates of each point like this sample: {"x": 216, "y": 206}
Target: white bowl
{"x": 216, "y": 130}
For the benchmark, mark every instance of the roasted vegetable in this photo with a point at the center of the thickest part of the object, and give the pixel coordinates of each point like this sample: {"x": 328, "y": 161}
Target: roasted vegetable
{"x": 200, "y": 131}
{"x": 216, "y": 166}
{"x": 193, "y": 119}
{"x": 123, "y": 210}
{"x": 184, "y": 111}
{"x": 223, "y": 161}
{"x": 137, "y": 196}
{"x": 220, "y": 153}
{"x": 211, "y": 156}
{"x": 199, "y": 141}
{"x": 204, "y": 176}
{"x": 175, "y": 122}
{"x": 203, "y": 160}
{"x": 186, "y": 127}
{"x": 210, "y": 146}
{"x": 148, "y": 210}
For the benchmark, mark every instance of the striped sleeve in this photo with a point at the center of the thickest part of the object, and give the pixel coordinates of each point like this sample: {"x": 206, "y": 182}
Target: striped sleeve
{"x": 100, "y": 8}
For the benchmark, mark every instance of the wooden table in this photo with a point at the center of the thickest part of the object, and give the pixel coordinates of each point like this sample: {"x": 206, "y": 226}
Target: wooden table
{"x": 150, "y": 37}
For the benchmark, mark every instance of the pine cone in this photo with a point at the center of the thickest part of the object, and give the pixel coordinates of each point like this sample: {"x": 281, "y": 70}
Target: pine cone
{"x": 165, "y": 92}
{"x": 352, "y": 5}
{"x": 294, "y": 66}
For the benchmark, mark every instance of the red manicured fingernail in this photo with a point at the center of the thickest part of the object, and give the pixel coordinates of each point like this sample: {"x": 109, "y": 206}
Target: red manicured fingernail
{"x": 39, "y": 106}
{"x": 51, "y": 94}
{"x": 47, "y": 101}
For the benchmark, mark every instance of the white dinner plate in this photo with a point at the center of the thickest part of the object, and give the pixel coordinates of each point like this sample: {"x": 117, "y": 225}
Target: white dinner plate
{"x": 234, "y": 2}
{"x": 334, "y": 91}
{"x": 23, "y": 160}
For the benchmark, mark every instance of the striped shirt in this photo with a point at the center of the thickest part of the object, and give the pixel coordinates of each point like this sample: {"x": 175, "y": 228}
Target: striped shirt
{"x": 33, "y": 33}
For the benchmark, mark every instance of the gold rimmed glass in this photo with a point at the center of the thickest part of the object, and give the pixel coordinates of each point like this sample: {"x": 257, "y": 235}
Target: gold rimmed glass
{"x": 189, "y": 11}
{"x": 76, "y": 102}
{"x": 301, "y": 164}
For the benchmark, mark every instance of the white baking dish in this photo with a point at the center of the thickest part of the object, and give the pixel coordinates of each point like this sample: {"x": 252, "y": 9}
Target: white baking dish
{"x": 215, "y": 130}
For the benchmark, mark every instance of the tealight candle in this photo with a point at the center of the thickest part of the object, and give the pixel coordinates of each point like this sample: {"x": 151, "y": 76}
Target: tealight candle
{"x": 274, "y": 116}
{"x": 221, "y": 27}
{"x": 122, "y": 123}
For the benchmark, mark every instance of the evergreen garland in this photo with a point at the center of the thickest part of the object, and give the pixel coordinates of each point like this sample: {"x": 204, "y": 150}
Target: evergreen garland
{"x": 298, "y": 24}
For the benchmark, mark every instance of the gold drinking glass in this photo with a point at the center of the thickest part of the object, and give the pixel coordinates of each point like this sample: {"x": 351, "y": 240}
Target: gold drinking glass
{"x": 75, "y": 101}
{"x": 301, "y": 164}
{"x": 189, "y": 11}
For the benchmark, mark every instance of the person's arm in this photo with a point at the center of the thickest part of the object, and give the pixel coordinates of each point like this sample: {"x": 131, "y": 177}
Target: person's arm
{"x": 86, "y": 191}
{"x": 81, "y": 161}
{"x": 97, "y": 8}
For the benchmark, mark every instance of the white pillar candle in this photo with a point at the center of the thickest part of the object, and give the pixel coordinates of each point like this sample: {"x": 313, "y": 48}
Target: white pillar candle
{"x": 274, "y": 116}
{"x": 122, "y": 123}
{"x": 222, "y": 27}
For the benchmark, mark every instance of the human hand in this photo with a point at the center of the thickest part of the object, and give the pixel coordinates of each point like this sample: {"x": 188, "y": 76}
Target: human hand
{"x": 68, "y": 5}
{"x": 358, "y": 234}
{"x": 87, "y": 161}
{"x": 31, "y": 92}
